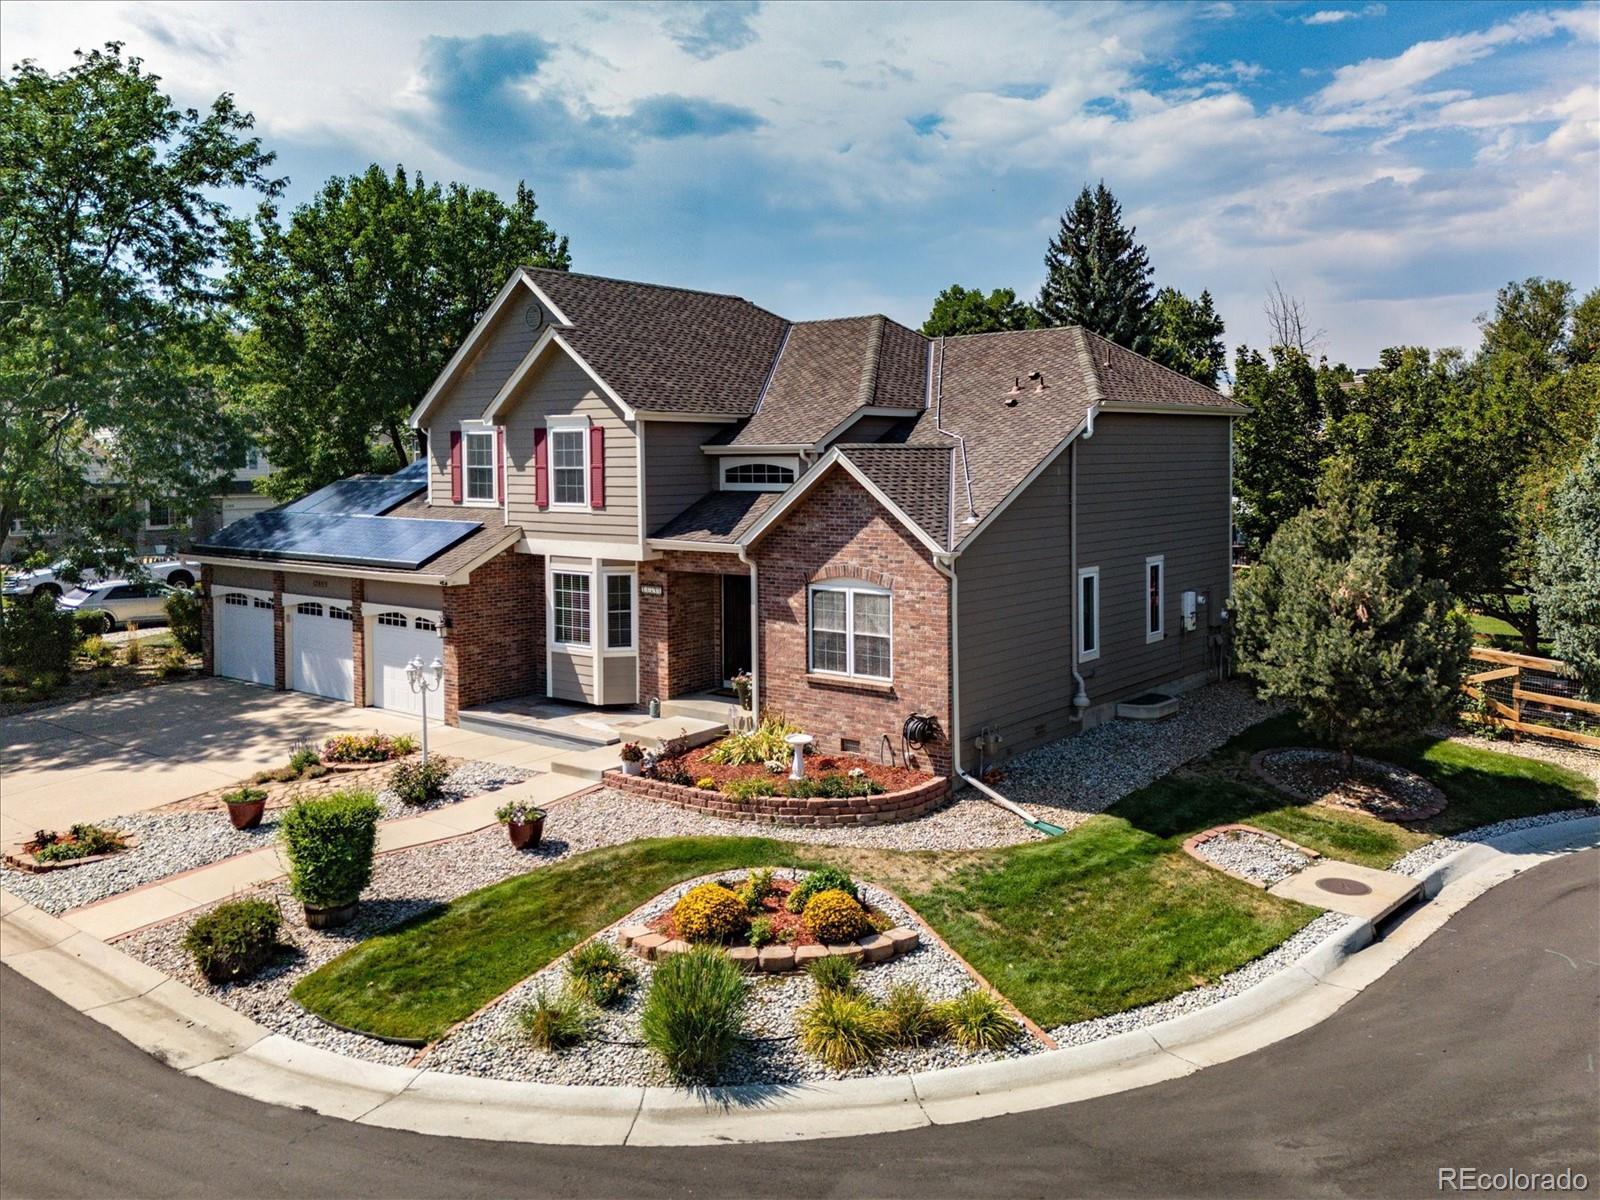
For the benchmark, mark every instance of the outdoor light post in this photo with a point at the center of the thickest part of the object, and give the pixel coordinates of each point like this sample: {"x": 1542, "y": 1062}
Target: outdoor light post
{"x": 424, "y": 680}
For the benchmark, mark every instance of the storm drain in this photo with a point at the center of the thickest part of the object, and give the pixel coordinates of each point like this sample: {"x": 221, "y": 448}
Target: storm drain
{"x": 1340, "y": 886}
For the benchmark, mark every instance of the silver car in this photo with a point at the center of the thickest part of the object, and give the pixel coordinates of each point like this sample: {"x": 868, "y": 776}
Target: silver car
{"x": 120, "y": 601}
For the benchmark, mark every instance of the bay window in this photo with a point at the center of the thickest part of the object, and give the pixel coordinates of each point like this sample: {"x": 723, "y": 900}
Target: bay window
{"x": 571, "y": 592}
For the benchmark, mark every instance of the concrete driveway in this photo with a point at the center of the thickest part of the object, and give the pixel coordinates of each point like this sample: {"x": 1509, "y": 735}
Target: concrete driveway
{"x": 137, "y": 750}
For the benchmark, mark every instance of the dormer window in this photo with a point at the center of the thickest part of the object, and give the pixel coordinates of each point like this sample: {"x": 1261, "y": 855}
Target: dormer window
{"x": 757, "y": 475}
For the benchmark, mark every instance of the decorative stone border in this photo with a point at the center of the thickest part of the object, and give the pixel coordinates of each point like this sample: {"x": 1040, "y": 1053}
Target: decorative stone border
{"x": 777, "y": 960}
{"x": 1438, "y": 801}
{"x": 23, "y": 861}
{"x": 885, "y": 809}
{"x": 1191, "y": 847}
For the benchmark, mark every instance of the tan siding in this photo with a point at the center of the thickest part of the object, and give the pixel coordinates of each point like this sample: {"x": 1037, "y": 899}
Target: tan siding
{"x": 622, "y": 675}
{"x": 676, "y": 472}
{"x": 559, "y": 387}
{"x": 406, "y": 595}
{"x": 316, "y": 585}
{"x": 571, "y": 676}
{"x": 223, "y": 575}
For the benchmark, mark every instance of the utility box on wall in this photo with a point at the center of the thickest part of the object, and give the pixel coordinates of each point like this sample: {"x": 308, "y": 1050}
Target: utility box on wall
{"x": 1186, "y": 605}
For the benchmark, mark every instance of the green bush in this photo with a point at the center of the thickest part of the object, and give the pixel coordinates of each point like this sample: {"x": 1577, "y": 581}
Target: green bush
{"x": 843, "y": 1029}
{"x": 86, "y": 625}
{"x": 37, "y": 640}
{"x": 836, "y": 973}
{"x": 244, "y": 795}
{"x": 761, "y": 932}
{"x": 756, "y": 746}
{"x": 823, "y": 879}
{"x": 834, "y": 786}
{"x": 598, "y": 970}
{"x": 554, "y": 1022}
{"x": 708, "y": 913}
{"x": 174, "y": 661}
{"x": 99, "y": 654}
{"x": 303, "y": 758}
{"x": 419, "y": 782}
{"x": 694, "y": 1012}
{"x": 910, "y": 1018}
{"x": 234, "y": 940}
{"x": 133, "y": 651}
{"x": 757, "y": 887}
{"x": 182, "y": 607}
{"x": 81, "y": 841}
{"x": 330, "y": 843}
{"x": 977, "y": 1020}
{"x": 744, "y": 789}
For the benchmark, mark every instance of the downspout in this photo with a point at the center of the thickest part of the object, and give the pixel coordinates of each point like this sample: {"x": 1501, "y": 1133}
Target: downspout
{"x": 755, "y": 634}
{"x": 1080, "y": 698}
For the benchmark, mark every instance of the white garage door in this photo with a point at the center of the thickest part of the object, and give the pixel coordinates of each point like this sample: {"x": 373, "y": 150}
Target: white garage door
{"x": 397, "y": 638}
{"x": 321, "y": 659}
{"x": 243, "y": 636}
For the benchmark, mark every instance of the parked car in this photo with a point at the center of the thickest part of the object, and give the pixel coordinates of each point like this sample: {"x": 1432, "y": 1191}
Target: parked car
{"x": 121, "y": 600}
{"x": 48, "y": 582}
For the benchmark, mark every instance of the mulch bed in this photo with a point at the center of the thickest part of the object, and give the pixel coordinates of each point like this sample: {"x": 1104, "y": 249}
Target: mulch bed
{"x": 788, "y": 927}
{"x": 893, "y": 779}
{"x": 1378, "y": 789}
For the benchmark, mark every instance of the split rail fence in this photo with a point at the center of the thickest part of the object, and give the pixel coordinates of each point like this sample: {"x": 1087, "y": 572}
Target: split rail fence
{"x": 1530, "y": 695}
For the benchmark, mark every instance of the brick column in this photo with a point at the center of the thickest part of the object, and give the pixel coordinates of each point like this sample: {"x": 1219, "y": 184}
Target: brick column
{"x": 358, "y": 643}
{"x": 208, "y": 624}
{"x": 456, "y": 625}
{"x": 279, "y": 674}
{"x": 654, "y": 633}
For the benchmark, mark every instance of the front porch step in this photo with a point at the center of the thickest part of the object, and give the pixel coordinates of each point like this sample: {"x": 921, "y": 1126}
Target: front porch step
{"x": 570, "y": 735}
{"x": 653, "y": 732}
{"x": 705, "y": 708}
{"x": 585, "y": 764}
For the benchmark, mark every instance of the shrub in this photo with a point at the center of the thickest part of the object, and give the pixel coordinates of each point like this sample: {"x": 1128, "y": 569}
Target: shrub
{"x": 94, "y": 648}
{"x": 706, "y": 784}
{"x": 82, "y": 841}
{"x": 694, "y": 1012}
{"x": 245, "y": 795}
{"x": 1566, "y": 578}
{"x": 708, "y": 913}
{"x": 401, "y": 745}
{"x": 554, "y": 1022}
{"x": 419, "y": 782}
{"x": 631, "y": 752}
{"x": 761, "y": 933}
{"x": 86, "y": 625}
{"x": 910, "y": 1018}
{"x": 133, "y": 651}
{"x": 182, "y": 607}
{"x": 367, "y": 747}
{"x": 757, "y": 887}
{"x": 843, "y": 1029}
{"x": 303, "y": 757}
{"x": 234, "y": 940}
{"x": 330, "y": 843}
{"x": 598, "y": 970}
{"x": 835, "y": 916}
{"x": 776, "y": 766}
{"x": 836, "y": 973}
{"x": 744, "y": 789}
{"x": 823, "y": 879}
{"x": 977, "y": 1021}
{"x": 174, "y": 661}
{"x": 37, "y": 640}
{"x": 758, "y": 745}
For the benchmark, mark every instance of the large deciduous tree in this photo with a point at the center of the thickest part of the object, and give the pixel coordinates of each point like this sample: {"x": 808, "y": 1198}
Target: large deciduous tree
{"x": 111, "y": 222}
{"x": 1337, "y": 621}
{"x": 1566, "y": 586}
{"x": 354, "y": 307}
{"x": 1096, "y": 274}
{"x": 958, "y": 310}
{"x": 1187, "y": 335}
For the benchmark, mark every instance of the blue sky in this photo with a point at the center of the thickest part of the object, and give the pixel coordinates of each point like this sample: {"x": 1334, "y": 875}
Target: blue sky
{"x": 1390, "y": 164}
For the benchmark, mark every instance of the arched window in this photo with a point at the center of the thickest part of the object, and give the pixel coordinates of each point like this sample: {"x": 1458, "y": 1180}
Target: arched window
{"x": 425, "y": 625}
{"x": 758, "y": 475}
{"x": 398, "y": 620}
{"x": 262, "y": 602}
{"x": 309, "y": 609}
{"x": 237, "y": 600}
{"x": 337, "y": 613}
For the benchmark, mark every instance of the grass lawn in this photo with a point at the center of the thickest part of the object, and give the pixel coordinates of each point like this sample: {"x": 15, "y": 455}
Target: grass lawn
{"x": 1498, "y": 635}
{"x": 1110, "y": 916}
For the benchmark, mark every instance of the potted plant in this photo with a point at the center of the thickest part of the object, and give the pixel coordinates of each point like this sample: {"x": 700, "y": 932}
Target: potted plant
{"x": 741, "y": 689}
{"x": 632, "y": 758}
{"x": 524, "y": 822}
{"x": 245, "y": 807}
{"x": 330, "y": 842}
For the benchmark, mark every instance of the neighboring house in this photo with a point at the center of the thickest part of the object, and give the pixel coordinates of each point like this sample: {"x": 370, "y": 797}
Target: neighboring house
{"x": 635, "y": 492}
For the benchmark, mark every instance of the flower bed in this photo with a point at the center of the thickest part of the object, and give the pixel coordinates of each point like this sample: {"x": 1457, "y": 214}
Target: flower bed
{"x": 697, "y": 765}
{"x": 905, "y": 804}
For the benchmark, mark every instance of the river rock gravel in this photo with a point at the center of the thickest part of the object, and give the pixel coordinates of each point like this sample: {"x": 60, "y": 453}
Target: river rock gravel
{"x": 1253, "y": 855}
{"x": 1416, "y": 863}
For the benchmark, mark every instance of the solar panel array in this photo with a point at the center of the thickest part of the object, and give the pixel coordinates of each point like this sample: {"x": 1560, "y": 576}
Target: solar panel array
{"x": 368, "y": 495}
{"x": 399, "y": 543}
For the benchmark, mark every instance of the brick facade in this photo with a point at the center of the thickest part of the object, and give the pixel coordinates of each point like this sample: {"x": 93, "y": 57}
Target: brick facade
{"x": 837, "y": 531}
{"x": 494, "y": 633}
{"x": 886, "y": 809}
{"x": 280, "y": 673}
{"x": 680, "y": 630}
{"x": 358, "y": 644}
{"x": 208, "y": 647}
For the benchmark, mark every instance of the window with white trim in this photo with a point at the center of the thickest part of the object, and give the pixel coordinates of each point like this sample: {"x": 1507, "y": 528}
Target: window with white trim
{"x": 1088, "y": 614}
{"x": 478, "y": 466}
{"x": 159, "y": 515}
{"x": 759, "y": 474}
{"x": 1155, "y": 588}
{"x": 424, "y": 624}
{"x": 571, "y": 597}
{"x": 396, "y": 619}
{"x": 619, "y": 611}
{"x": 569, "y": 467}
{"x": 261, "y": 602}
{"x": 338, "y": 614}
{"x": 309, "y": 609}
{"x": 851, "y": 629}
{"x": 236, "y": 600}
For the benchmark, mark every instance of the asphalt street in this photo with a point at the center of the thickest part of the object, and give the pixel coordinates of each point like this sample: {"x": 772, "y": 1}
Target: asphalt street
{"x": 1479, "y": 1050}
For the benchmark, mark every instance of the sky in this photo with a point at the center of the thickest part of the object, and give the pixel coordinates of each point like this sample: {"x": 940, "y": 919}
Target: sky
{"x": 1390, "y": 165}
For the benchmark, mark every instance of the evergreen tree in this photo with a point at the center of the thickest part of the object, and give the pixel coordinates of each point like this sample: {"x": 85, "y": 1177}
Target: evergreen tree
{"x": 1096, "y": 275}
{"x": 1187, "y": 335}
{"x": 1337, "y": 622}
{"x": 959, "y": 310}
{"x": 1566, "y": 585}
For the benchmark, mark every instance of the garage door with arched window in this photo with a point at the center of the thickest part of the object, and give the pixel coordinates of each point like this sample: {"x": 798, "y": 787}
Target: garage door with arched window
{"x": 321, "y": 649}
{"x": 398, "y": 636}
{"x": 243, "y": 636}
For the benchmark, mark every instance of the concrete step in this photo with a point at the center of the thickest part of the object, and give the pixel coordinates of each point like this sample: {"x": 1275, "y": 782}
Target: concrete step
{"x": 705, "y": 708}
{"x": 585, "y": 764}
{"x": 693, "y": 731}
{"x": 569, "y": 734}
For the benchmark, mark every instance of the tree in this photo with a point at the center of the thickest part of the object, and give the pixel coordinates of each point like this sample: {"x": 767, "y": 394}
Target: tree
{"x": 1531, "y": 324}
{"x": 1336, "y": 621}
{"x": 354, "y": 308}
{"x": 111, "y": 221}
{"x": 1096, "y": 275}
{"x": 1187, "y": 335}
{"x": 958, "y": 310}
{"x": 1566, "y": 585}
{"x": 1286, "y": 319}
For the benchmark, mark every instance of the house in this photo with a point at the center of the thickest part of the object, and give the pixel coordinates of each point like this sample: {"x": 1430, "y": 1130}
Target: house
{"x": 632, "y": 491}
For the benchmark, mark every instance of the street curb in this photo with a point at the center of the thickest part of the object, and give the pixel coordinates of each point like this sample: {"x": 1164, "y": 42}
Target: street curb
{"x": 211, "y": 1042}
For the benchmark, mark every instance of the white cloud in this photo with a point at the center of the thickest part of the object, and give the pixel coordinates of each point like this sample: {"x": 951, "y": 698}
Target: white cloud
{"x": 1334, "y": 16}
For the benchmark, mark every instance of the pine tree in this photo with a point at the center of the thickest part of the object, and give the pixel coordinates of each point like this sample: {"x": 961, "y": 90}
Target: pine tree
{"x": 1336, "y": 621}
{"x": 1186, "y": 335}
{"x": 1096, "y": 275}
{"x": 1566, "y": 587}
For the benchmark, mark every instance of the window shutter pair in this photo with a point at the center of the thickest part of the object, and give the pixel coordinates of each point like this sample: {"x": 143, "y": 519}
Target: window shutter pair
{"x": 597, "y": 467}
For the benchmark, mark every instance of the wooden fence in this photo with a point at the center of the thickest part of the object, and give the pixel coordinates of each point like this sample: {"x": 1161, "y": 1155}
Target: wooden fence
{"x": 1524, "y": 694}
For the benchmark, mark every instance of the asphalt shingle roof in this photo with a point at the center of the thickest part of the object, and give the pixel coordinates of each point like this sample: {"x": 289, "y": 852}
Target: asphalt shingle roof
{"x": 916, "y": 478}
{"x": 721, "y": 517}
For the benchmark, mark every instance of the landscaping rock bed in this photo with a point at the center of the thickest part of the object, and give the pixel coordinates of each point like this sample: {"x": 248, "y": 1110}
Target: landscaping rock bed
{"x": 1416, "y": 863}
{"x": 1250, "y": 854}
{"x": 1379, "y": 789}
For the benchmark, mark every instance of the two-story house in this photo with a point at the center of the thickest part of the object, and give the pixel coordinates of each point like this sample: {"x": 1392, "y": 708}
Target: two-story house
{"x": 634, "y": 492}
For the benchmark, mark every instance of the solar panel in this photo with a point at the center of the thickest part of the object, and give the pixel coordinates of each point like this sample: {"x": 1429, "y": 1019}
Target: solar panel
{"x": 367, "y": 495}
{"x": 401, "y": 543}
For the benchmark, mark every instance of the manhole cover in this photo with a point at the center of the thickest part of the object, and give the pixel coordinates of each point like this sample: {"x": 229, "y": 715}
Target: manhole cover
{"x": 1343, "y": 887}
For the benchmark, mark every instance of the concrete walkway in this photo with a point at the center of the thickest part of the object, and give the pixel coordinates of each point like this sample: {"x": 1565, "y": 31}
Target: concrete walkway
{"x": 211, "y": 1042}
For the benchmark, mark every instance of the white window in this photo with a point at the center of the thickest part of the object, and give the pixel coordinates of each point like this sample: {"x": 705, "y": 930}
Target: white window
{"x": 478, "y": 466}
{"x": 338, "y": 614}
{"x": 252, "y": 459}
{"x": 850, "y": 630}
{"x": 571, "y": 592}
{"x": 757, "y": 476}
{"x": 1155, "y": 587}
{"x": 569, "y": 467}
{"x": 619, "y": 611}
{"x": 158, "y": 515}
{"x": 1088, "y": 614}
{"x": 236, "y": 600}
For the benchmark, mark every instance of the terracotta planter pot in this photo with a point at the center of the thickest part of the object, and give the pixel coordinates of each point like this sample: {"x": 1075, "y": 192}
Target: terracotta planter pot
{"x": 525, "y": 833}
{"x": 247, "y": 816}
{"x": 330, "y": 917}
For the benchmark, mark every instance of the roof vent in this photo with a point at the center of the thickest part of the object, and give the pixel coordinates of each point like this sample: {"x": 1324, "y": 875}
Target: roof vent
{"x": 1016, "y": 390}
{"x": 1038, "y": 378}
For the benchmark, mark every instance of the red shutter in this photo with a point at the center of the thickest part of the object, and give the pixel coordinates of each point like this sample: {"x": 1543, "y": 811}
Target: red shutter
{"x": 597, "y": 466}
{"x": 541, "y": 469}
{"x": 455, "y": 466}
{"x": 500, "y": 461}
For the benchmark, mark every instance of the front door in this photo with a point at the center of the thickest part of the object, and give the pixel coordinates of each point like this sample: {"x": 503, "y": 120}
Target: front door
{"x": 735, "y": 626}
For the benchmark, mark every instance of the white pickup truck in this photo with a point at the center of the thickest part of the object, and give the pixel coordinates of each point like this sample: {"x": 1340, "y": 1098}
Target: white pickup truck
{"x": 49, "y": 583}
